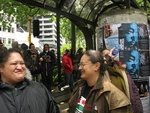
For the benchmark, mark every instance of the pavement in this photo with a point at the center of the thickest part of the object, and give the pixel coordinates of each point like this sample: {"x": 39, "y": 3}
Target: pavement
{"x": 63, "y": 107}
{"x": 60, "y": 98}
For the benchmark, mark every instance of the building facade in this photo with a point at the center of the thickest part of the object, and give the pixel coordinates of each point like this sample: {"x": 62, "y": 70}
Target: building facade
{"x": 17, "y": 33}
{"x": 48, "y": 32}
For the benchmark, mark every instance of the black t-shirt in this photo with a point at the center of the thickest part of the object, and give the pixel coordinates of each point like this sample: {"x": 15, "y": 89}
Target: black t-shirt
{"x": 85, "y": 91}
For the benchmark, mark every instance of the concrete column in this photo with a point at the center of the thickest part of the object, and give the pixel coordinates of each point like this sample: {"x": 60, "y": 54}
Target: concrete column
{"x": 123, "y": 16}
{"x": 118, "y": 17}
{"x": 127, "y": 29}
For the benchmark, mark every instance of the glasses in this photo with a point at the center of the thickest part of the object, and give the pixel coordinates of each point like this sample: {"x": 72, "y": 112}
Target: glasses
{"x": 82, "y": 64}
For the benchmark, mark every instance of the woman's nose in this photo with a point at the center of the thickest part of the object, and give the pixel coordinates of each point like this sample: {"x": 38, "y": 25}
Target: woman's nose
{"x": 19, "y": 66}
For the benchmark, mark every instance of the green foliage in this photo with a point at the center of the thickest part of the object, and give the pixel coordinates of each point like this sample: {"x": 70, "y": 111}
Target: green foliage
{"x": 65, "y": 29}
{"x": 64, "y": 47}
{"x": 21, "y": 12}
{"x": 55, "y": 75}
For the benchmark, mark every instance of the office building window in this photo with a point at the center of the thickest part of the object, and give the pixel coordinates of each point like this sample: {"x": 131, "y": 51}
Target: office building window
{"x": 9, "y": 41}
{"x": 13, "y": 30}
{"x": 4, "y": 40}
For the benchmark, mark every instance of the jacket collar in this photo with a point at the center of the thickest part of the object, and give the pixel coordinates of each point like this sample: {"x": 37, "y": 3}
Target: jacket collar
{"x": 19, "y": 85}
{"x": 100, "y": 84}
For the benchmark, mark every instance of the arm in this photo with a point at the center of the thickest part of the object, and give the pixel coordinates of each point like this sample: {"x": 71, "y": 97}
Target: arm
{"x": 52, "y": 105}
{"x": 53, "y": 58}
{"x": 65, "y": 62}
{"x": 41, "y": 57}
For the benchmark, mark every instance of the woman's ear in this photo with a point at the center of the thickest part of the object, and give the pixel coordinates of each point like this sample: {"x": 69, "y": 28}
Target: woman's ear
{"x": 97, "y": 66}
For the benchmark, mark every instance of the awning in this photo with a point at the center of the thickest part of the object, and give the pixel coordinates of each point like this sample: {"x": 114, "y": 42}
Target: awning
{"x": 86, "y": 10}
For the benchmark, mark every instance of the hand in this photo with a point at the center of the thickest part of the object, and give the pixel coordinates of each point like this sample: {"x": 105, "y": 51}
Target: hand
{"x": 41, "y": 59}
{"x": 110, "y": 53}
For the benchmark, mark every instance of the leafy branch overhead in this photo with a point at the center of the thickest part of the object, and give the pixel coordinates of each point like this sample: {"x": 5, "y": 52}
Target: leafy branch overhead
{"x": 11, "y": 8}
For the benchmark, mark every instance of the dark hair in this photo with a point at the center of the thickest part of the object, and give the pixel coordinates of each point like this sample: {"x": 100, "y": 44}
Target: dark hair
{"x": 44, "y": 47}
{"x": 30, "y": 45}
{"x": 24, "y": 46}
{"x": 80, "y": 50}
{"x": 4, "y": 54}
{"x": 1, "y": 42}
{"x": 102, "y": 49}
{"x": 67, "y": 50}
{"x": 96, "y": 56}
{"x": 107, "y": 59}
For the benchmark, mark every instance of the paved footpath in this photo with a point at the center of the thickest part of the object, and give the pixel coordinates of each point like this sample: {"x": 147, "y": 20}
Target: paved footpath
{"x": 60, "y": 97}
{"x": 63, "y": 107}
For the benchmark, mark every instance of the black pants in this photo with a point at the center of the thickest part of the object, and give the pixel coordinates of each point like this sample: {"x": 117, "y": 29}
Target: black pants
{"x": 47, "y": 76}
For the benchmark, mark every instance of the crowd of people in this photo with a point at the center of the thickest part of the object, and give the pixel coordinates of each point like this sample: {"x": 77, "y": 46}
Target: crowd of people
{"x": 98, "y": 83}
{"x": 18, "y": 93}
{"x": 39, "y": 64}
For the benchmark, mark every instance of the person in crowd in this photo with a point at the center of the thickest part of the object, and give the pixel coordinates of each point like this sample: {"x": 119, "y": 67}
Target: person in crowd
{"x": 75, "y": 65}
{"x": 47, "y": 59}
{"x": 15, "y": 45}
{"x": 78, "y": 56}
{"x": 67, "y": 68}
{"x": 18, "y": 94}
{"x": 35, "y": 69}
{"x": 142, "y": 91}
{"x": 1, "y": 44}
{"x": 94, "y": 93}
{"x": 146, "y": 94}
{"x": 26, "y": 56}
{"x": 72, "y": 55}
{"x": 53, "y": 51}
{"x": 122, "y": 80}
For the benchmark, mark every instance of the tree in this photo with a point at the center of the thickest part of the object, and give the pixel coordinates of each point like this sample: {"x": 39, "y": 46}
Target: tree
{"x": 21, "y": 12}
{"x": 65, "y": 31}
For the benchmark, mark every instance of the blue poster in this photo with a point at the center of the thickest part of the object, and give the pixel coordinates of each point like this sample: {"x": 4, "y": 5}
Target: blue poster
{"x": 128, "y": 34}
{"x": 131, "y": 59}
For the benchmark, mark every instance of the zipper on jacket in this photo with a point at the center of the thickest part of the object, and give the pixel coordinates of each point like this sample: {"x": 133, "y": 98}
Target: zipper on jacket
{"x": 16, "y": 89}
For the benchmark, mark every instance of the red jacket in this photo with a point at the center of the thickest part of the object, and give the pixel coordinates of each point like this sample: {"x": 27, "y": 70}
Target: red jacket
{"x": 67, "y": 64}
